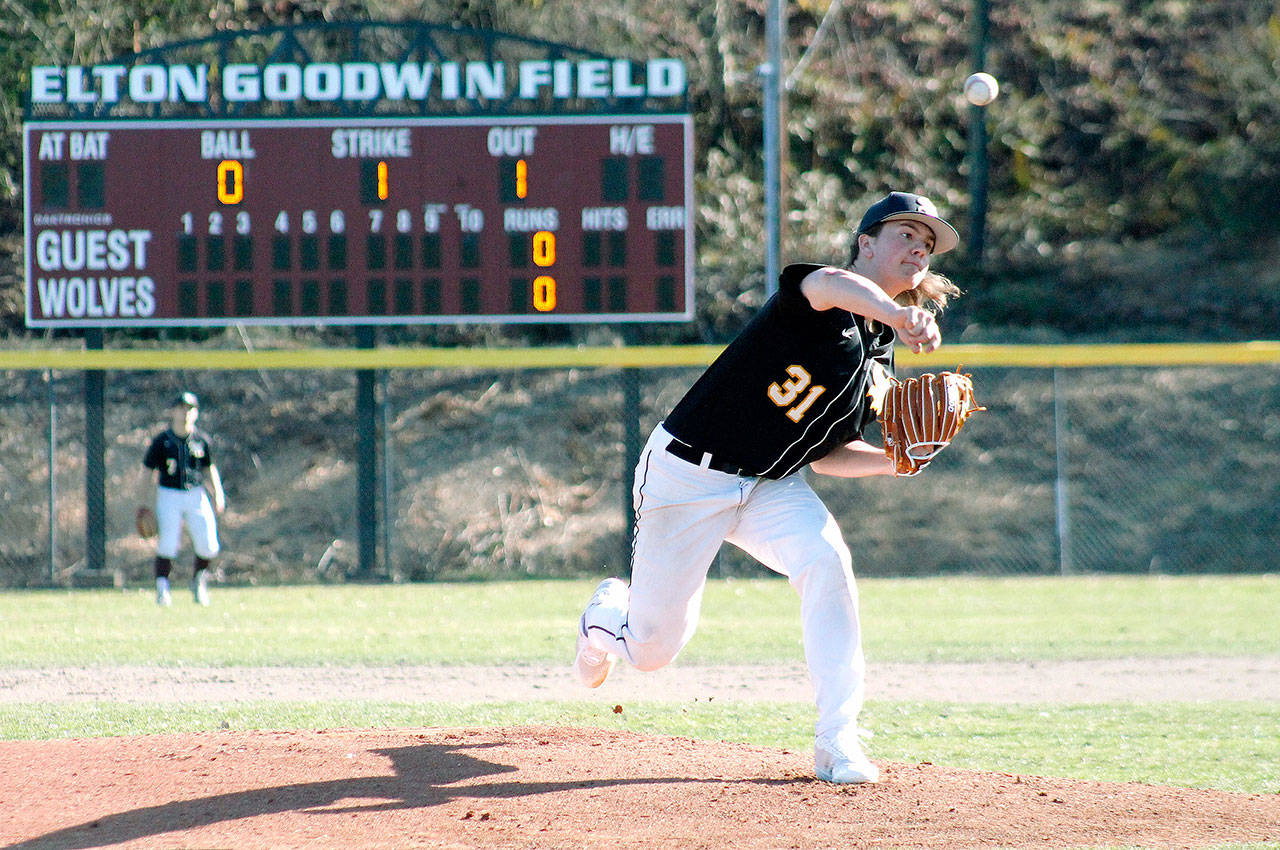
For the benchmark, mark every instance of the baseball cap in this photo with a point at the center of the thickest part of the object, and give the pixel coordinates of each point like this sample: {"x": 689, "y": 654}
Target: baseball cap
{"x": 188, "y": 399}
{"x": 904, "y": 205}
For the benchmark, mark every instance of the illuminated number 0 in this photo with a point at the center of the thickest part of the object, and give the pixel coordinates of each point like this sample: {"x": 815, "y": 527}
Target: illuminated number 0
{"x": 544, "y": 293}
{"x": 230, "y": 181}
{"x": 786, "y": 393}
{"x": 544, "y": 286}
{"x": 544, "y": 248}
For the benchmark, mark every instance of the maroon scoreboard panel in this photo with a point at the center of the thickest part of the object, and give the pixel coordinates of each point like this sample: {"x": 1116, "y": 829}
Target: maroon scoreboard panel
{"x": 360, "y": 221}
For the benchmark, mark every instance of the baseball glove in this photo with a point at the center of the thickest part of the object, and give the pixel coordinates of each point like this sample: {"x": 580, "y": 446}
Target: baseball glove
{"x": 920, "y": 417}
{"x": 145, "y": 519}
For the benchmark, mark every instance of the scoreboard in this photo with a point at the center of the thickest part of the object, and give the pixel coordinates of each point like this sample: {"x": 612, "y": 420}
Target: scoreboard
{"x": 359, "y": 220}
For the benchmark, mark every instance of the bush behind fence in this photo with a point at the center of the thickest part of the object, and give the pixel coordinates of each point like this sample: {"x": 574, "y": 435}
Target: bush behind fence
{"x": 510, "y": 473}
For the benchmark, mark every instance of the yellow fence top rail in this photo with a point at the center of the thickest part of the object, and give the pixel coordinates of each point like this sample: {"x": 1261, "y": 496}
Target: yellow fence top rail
{"x": 644, "y": 356}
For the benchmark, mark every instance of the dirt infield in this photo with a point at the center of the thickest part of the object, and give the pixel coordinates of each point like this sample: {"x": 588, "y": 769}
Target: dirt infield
{"x": 560, "y": 788}
{"x": 1185, "y": 679}
{"x": 586, "y": 788}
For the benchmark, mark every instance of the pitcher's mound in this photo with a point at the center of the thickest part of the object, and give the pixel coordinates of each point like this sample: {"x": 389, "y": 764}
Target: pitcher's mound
{"x": 552, "y": 787}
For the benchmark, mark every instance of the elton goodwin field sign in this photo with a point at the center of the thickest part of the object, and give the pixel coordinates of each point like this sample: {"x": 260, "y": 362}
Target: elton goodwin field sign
{"x": 360, "y": 173}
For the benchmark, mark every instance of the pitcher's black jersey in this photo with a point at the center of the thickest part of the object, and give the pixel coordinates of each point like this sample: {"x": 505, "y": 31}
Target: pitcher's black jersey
{"x": 790, "y": 388}
{"x": 181, "y": 461}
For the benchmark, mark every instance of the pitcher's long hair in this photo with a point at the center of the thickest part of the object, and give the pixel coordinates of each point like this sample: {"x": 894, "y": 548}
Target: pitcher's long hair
{"x": 933, "y": 292}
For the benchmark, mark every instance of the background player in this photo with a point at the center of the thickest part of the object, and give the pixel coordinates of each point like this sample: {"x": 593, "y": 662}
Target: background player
{"x": 187, "y": 479}
{"x": 794, "y": 389}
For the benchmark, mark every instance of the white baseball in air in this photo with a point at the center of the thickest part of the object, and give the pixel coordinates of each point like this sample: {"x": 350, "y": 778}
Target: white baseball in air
{"x": 981, "y": 88}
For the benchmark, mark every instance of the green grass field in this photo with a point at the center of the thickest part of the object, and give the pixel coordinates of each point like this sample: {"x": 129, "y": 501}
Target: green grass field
{"x": 1226, "y": 745}
{"x": 753, "y": 621}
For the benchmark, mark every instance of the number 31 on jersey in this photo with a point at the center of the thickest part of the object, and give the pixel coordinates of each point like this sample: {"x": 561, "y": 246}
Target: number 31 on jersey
{"x": 797, "y": 393}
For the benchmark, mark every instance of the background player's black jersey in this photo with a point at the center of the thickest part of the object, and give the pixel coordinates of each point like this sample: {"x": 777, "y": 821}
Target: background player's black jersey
{"x": 790, "y": 388}
{"x": 181, "y": 461}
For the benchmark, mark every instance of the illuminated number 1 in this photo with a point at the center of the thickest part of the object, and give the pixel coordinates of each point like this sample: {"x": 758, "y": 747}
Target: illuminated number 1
{"x": 230, "y": 181}
{"x": 384, "y": 181}
{"x": 544, "y": 293}
{"x": 522, "y": 178}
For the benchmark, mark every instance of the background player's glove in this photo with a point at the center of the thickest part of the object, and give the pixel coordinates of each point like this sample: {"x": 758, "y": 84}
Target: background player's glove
{"x": 920, "y": 416}
{"x": 145, "y": 519}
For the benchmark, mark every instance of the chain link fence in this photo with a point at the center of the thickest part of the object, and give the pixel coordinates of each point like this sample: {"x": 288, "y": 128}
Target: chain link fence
{"x": 524, "y": 473}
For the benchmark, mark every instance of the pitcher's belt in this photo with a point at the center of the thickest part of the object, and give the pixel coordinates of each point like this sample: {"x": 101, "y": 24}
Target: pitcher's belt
{"x": 706, "y": 460}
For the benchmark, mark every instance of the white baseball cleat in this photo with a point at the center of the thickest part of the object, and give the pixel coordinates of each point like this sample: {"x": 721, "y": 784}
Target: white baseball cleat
{"x": 200, "y": 589}
{"x": 839, "y": 759}
{"x": 162, "y": 592}
{"x": 593, "y": 665}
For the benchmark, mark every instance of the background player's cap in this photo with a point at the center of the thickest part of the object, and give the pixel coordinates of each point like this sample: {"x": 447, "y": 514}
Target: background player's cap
{"x": 904, "y": 205}
{"x": 186, "y": 399}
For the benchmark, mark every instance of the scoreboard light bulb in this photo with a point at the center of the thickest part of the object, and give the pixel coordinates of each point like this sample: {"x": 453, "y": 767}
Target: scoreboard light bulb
{"x": 522, "y": 178}
{"x": 383, "y": 181}
{"x": 544, "y": 293}
{"x": 230, "y": 182}
{"x": 544, "y": 248}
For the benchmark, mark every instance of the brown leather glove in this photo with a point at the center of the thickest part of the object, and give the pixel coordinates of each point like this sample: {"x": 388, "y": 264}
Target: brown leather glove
{"x": 920, "y": 416}
{"x": 145, "y": 519}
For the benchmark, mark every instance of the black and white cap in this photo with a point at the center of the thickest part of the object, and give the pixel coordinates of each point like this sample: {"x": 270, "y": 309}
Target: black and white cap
{"x": 904, "y": 205}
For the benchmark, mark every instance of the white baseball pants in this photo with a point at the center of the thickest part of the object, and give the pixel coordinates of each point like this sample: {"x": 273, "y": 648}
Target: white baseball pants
{"x": 193, "y": 507}
{"x": 683, "y": 513}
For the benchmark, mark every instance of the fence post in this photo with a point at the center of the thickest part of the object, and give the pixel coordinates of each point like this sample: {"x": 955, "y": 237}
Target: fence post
{"x": 631, "y": 456}
{"x": 978, "y": 139}
{"x": 1061, "y": 495}
{"x": 366, "y": 463}
{"x": 95, "y": 489}
{"x": 384, "y": 418}
{"x": 53, "y": 481}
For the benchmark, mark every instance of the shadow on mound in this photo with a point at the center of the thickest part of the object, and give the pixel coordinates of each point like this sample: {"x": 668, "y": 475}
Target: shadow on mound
{"x": 551, "y": 787}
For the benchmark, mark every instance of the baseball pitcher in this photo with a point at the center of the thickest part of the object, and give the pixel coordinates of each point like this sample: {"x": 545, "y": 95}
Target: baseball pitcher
{"x": 795, "y": 389}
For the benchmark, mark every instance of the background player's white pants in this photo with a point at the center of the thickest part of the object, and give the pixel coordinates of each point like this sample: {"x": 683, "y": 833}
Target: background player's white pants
{"x": 683, "y": 514}
{"x": 173, "y": 508}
